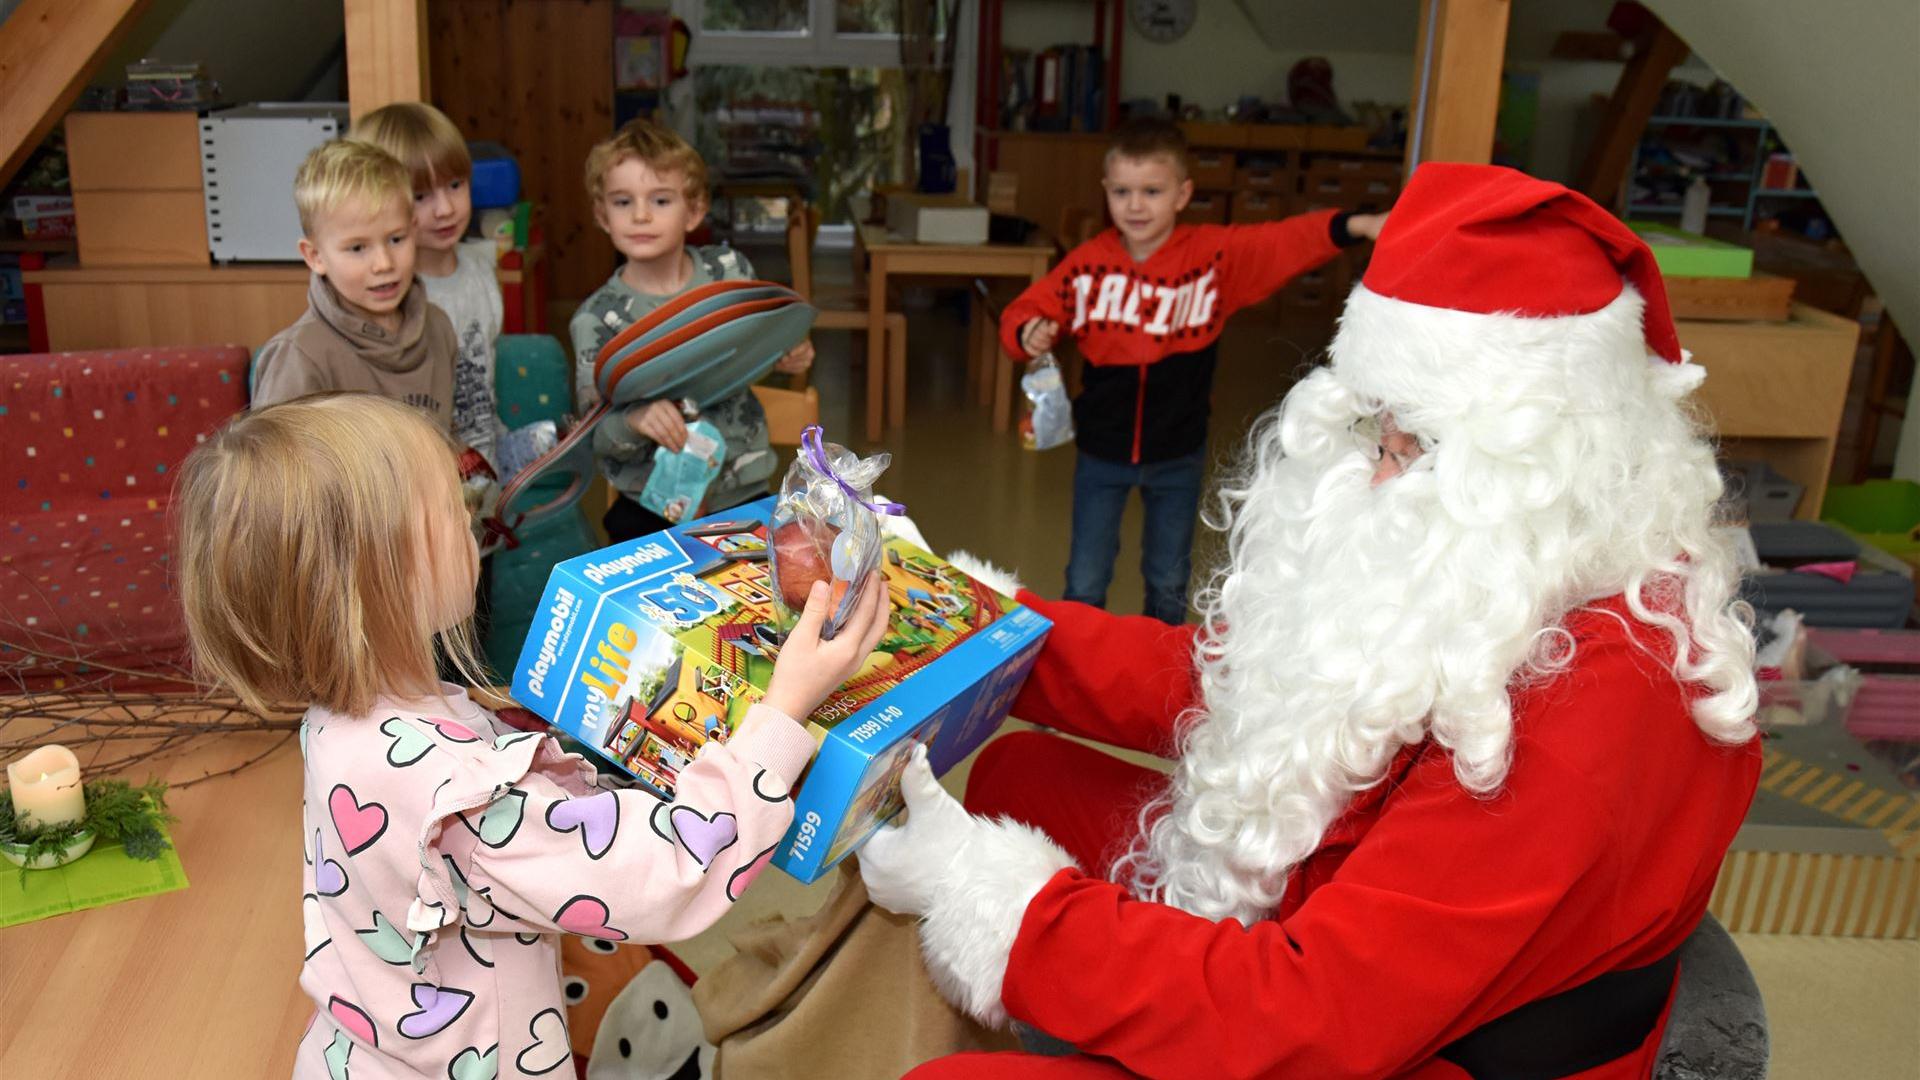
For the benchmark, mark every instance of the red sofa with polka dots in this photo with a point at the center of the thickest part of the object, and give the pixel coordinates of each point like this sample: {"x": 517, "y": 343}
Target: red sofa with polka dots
{"x": 91, "y": 444}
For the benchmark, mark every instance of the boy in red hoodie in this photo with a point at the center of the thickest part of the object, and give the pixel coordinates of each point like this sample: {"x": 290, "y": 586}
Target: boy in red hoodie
{"x": 1145, "y": 301}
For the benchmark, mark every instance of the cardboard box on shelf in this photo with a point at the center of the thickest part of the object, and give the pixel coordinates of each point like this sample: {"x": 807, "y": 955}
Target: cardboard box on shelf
{"x": 936, "y": 219}
{"x": 647, "y": 650}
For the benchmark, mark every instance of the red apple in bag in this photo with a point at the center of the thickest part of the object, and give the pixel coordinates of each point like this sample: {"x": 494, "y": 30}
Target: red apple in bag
{"x": 801, "y": 557}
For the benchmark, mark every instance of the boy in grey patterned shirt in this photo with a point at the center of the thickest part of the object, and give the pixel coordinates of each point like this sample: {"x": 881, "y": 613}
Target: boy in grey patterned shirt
{"x": 649, "y": 190}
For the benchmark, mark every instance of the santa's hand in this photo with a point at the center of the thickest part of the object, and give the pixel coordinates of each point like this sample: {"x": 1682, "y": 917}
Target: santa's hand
{"x": 900, "y": 526}
{"x": 904, "y": 864}
{"x": 970, "y": 879}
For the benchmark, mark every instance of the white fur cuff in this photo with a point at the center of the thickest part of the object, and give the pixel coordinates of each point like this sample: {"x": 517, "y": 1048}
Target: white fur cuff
{"x": 967, "y": 935}
{"x": 984, "y": 572}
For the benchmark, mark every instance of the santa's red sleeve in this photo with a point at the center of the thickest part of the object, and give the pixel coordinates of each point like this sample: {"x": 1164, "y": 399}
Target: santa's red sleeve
{"x": 1261, "y": 258}
{"x": 1123, "y": 680}
{"x": 1449, "y": 912}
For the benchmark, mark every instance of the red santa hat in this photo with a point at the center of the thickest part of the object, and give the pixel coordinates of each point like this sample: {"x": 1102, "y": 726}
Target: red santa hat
{"x": 1480, "y": 262}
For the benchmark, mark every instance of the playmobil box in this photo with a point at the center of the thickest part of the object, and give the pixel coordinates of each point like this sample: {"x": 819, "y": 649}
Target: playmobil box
{"x": 646, "y": 650}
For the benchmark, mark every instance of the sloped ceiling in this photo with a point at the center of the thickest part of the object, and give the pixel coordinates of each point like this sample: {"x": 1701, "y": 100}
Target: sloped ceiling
{"x": 1842, "y": 83}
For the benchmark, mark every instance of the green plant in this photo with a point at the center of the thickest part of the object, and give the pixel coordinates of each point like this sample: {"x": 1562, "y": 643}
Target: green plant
{"x": 117, "y": 812}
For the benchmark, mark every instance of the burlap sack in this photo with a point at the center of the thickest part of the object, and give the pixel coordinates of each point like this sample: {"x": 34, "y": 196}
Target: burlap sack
{"x": 841, "y": 994}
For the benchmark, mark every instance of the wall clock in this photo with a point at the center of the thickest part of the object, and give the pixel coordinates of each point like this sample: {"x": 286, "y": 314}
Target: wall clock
{"x": 1162, "y": 20}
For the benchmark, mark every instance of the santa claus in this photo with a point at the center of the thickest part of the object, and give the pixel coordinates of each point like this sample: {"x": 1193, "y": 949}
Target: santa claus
{"x": 1460, "y": 741}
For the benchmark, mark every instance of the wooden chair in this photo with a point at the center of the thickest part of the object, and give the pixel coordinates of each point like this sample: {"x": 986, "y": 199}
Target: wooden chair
{"x": 789, "y": 412}
{"x": 846, "y": 309}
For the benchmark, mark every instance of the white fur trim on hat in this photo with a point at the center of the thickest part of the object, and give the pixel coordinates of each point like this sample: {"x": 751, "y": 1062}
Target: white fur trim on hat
{"x": 1452, "y": 363}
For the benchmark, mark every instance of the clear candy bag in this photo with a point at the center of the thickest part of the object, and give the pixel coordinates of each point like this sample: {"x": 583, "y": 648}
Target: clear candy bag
{"x": 1047, "y": 420}
{"x": 677, "y": 487}
{"x": 826, "y": 527}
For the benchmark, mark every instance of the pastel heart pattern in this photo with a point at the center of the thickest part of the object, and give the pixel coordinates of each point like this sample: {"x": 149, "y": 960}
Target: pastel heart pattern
{"x": 597, "y": 817}
{"x": 337, "y": 1053}
{"x": 775, "y": 791}
{"x": 479, "y": 909}
{"x": 549, "y": 1050}
{"x": 385, "y": 941}
{"x": 435, "y": 1009}
{"x": 471, "y": 1064}
{"x": 514, "y": 738}
{"x": 703, "y": 837}
{"x": 359, "y": 824}
{"x": 409, "y": 745}
{"x": 473, "y": 950}
{"x": 454, "y": 731}
{"x": 743, "y": 877}
{"x": 353, "y": 1020}
{"x": 313, "y": 925}
{"x": 329, "y": 877}
{"x": 502, "y": 819}
{"x": 458, "y": 879}
{"x": 587, "y": 916}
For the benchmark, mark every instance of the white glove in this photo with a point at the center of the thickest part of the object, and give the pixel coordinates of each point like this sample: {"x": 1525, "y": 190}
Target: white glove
{"x": 970, "y": 879}
{"x": 903, "y": 865}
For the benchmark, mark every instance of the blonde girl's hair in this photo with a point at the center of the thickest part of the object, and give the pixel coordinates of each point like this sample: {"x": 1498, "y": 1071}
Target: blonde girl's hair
{"x": 421, "y": 138}
{"x": 303, "y": 549}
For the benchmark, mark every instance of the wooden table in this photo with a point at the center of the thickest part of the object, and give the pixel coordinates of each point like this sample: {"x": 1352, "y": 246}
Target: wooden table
{"x": 890, "y": 256}
{"x": 200, "y": 982}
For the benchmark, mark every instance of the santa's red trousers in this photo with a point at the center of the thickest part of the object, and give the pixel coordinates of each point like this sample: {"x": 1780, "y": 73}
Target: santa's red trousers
{"x": 1089, "y": 803}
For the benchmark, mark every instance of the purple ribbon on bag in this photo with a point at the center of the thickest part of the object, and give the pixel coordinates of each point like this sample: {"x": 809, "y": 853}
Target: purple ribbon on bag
{"x": 815, "y": 451}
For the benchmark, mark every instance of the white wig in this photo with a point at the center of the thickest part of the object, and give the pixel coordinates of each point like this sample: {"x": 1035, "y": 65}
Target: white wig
{"x": 1352, "y": 621}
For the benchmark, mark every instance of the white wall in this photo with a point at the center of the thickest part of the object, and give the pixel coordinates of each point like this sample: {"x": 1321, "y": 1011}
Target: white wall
{"x": 257, "y": 50}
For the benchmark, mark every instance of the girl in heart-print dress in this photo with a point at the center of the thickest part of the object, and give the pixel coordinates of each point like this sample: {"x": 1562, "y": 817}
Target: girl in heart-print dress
{"x": 323, "y": 550}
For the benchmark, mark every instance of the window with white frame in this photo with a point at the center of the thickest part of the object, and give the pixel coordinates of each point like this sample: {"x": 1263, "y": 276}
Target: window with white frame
{"x": 807, "y": 94}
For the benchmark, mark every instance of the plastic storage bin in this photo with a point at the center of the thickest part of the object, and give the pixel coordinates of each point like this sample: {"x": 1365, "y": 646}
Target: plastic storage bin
{"x": 1873, "y": 598}
{"x": 496, "y": 176}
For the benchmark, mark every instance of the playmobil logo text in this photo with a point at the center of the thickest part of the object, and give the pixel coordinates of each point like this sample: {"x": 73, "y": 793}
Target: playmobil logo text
{"x": 599, "y": 572}
{"x": 562, "y": 610}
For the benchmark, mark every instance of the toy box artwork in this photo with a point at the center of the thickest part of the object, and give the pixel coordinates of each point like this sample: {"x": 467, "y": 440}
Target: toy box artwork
{"x": 646, "y": 650}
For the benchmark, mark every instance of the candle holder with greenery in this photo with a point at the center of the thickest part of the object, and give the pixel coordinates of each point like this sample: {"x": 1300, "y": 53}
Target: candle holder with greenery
{"x": 117, "y": 812}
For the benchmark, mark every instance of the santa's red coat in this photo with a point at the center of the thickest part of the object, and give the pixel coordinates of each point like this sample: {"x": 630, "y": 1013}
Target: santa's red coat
{"x": 1426, "y": 911}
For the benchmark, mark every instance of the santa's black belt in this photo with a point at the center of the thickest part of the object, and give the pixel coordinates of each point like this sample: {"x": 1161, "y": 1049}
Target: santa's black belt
{"x": 1603, "y": 1019}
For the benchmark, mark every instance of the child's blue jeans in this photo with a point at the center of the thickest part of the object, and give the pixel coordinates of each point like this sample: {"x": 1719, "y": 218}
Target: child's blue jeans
{"x": 1170, "y": 491}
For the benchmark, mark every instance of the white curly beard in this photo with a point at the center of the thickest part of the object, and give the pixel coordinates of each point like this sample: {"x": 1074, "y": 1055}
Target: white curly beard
{"x": 1354, "y": 620}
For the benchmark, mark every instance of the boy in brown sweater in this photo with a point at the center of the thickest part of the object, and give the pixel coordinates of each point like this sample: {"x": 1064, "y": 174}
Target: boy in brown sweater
{"x": 366, "y": 326}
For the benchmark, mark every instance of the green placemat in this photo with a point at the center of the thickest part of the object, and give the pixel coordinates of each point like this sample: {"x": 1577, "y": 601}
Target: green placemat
{"x": 102, "y": 876}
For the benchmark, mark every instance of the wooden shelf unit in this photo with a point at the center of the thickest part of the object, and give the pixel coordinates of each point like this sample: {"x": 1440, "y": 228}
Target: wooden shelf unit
{"x": 1776, "y": 391}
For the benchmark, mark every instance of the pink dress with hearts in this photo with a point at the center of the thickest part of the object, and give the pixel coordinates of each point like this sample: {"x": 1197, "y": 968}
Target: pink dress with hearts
{"x": 445, "y": 853}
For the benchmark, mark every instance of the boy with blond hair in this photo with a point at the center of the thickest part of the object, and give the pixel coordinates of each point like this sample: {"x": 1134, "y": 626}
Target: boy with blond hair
{"x": 366, "y": 327}
{"x": 1145, "y": 301}
{"x": 649, "y": 192}
{"x": 457, "y": 273}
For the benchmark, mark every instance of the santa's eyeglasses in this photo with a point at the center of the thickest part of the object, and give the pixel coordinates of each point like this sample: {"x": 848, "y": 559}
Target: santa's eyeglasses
{"x": 1378, "y": 437}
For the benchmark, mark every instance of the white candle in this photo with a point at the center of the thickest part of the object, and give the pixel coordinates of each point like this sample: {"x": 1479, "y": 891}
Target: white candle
{"x": 46, "y": 787}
